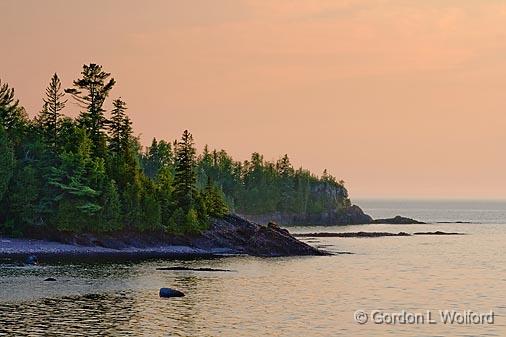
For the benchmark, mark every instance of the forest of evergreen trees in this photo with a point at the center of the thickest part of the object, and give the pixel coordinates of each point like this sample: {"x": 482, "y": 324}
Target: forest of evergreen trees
{"x": 90, "y": 173}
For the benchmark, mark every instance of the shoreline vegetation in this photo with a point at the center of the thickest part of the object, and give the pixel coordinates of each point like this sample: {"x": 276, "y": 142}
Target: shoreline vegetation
{"x": 88, "y": 182}
{"x": 90, "y": 174}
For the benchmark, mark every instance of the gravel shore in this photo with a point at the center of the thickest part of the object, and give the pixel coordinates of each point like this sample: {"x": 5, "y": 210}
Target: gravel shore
{"x": 11, "y": 247}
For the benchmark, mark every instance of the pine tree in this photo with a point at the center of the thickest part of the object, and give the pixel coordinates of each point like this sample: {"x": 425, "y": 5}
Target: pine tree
{"x": 90, "y": 92}
{"x": 50, "y": 117}
{"x": 185, "y": 191}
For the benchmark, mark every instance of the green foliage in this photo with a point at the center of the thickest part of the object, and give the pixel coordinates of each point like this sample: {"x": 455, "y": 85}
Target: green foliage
{"x": 9, "y": 108}
{"x": 50, "y": 117}
{"x": 192, "y": 221}
{"x": 185, "y": 191}
{"x": 257, "y": 186}
{"x": 90, "y": 174}
{"x": 158, "y": 157}
{"x": 176, "y": 223}
{"x": 23, "y": 195}
{"x": 90, "y": 92}
{"x": 6, "y": 162}
{"x": 120, "y": 128}
{"x": 13, "y": 118}
{"x": 214, "y": 200}
{"x": 110, "y": 214}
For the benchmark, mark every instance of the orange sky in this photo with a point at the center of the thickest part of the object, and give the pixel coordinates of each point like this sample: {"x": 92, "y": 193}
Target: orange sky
{"x": 398, "y": 98}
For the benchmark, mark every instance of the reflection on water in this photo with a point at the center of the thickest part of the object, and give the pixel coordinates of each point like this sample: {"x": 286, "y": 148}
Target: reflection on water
{"x": 308, "y": 296}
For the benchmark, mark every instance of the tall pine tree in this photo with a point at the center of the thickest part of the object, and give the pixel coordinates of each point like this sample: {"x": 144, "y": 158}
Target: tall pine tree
{"x": 90, "y": 92}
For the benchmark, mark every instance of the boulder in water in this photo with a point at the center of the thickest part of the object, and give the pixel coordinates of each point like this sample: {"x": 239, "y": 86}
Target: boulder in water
{"x": 169, "y": 292}
{"x": 50, "y": 279}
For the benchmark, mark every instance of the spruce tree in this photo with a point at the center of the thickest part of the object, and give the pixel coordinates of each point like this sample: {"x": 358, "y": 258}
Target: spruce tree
{"x": 50, "y": 117}
{"x": 185, "y": 191}
{"x": 214, "y": 200}
{"x": 117, "y": 126}
{"x": 90, "y": 92}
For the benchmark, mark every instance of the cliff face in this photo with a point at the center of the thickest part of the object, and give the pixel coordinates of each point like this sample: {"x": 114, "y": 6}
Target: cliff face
{"x": 351, "y": 215}
{"x": 326, "y": 204}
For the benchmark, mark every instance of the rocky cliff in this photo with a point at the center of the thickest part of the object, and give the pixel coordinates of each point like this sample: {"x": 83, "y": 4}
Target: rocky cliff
{"x": 351, "y": 215}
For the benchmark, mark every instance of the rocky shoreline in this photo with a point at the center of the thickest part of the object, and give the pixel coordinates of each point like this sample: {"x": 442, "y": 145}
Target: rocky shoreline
{"x": 231, "y": 235}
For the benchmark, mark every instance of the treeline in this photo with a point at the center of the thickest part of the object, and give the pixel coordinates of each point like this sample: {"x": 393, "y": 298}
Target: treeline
{"x": 90, "y": 174}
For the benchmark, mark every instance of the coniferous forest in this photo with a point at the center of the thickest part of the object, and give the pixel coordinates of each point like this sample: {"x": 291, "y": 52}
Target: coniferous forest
{"x": 91, "y": 174}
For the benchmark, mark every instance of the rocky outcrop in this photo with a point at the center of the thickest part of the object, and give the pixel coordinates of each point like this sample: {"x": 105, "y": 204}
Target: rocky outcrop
{"x": 398, "y": 220}
{"x": 246, "y": 237}
{"x": 352, "y": 215}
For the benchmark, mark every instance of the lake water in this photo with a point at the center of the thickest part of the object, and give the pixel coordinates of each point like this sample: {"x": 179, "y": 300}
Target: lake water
{"x": 299, "y": 296}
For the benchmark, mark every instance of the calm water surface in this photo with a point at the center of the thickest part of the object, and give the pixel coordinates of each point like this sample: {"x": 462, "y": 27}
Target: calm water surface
{"x": 303, "y": 296}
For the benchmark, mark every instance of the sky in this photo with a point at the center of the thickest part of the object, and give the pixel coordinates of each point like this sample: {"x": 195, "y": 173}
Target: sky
{"x": 400, "y": 99}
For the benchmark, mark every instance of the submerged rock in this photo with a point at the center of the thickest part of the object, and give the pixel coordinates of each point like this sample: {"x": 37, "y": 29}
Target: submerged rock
{"x": 191, "y": 269}
{"x": 438, "y": 233}
{"x": 352, "y": 234}
{"x": 368, "y": 234}
{"x": 169, "y": 292}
